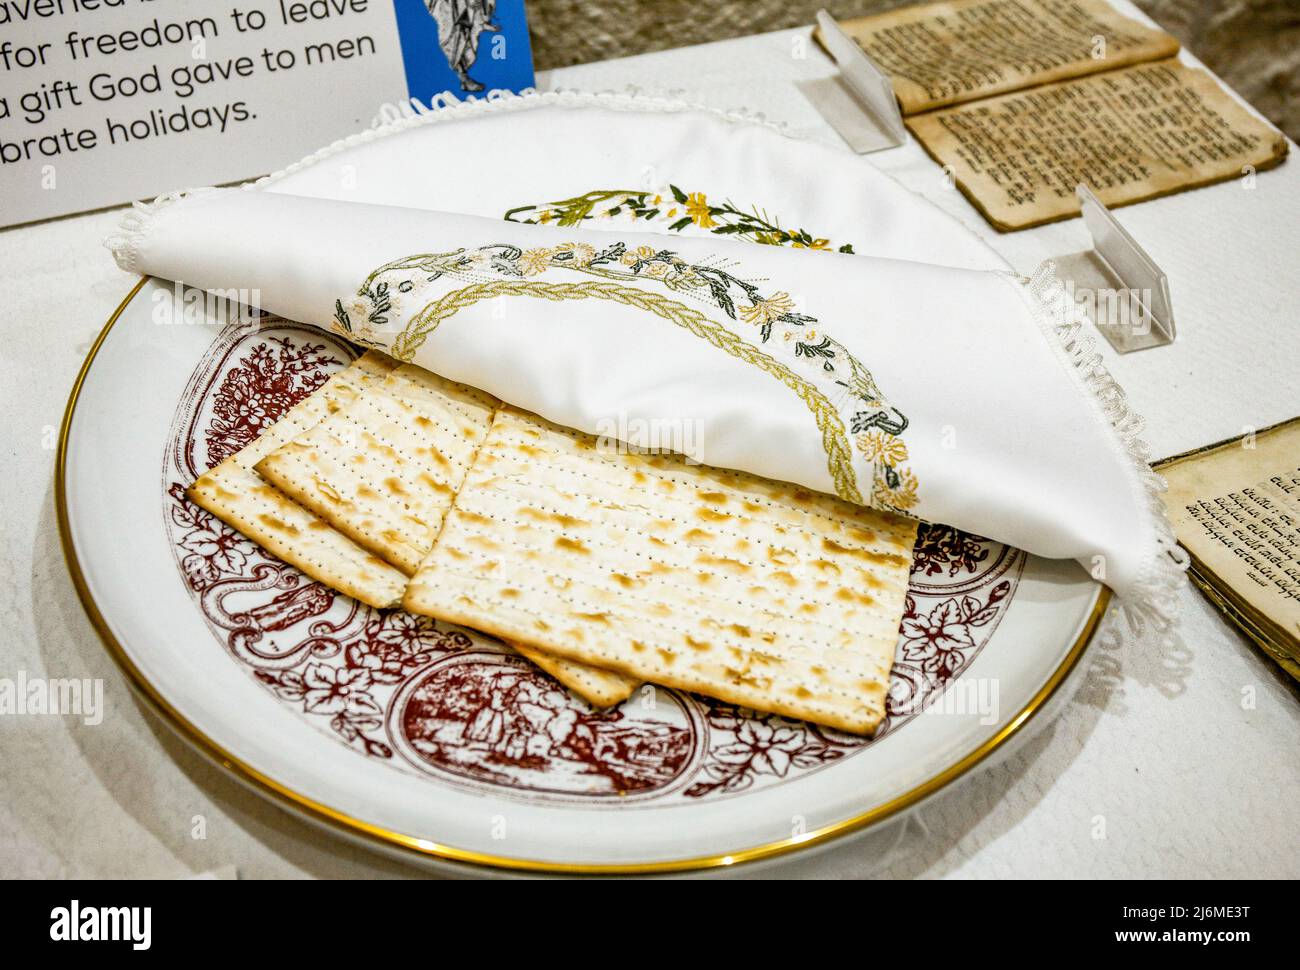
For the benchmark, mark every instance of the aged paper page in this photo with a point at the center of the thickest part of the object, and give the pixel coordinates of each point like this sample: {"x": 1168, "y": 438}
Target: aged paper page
{"x": 1129, "y": 135}
{"x": 1236, "y": 509}
{"x": 947, "y": 53}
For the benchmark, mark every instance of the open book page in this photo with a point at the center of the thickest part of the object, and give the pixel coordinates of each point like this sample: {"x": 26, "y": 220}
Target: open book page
{"x": 1129, "y": 135}
{"x": 1236, "y": 509}
{"x": 939, "y": 54}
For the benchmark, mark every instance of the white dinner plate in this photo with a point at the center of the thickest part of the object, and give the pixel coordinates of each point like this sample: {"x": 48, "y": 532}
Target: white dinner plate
{"x": 439, "y": 742}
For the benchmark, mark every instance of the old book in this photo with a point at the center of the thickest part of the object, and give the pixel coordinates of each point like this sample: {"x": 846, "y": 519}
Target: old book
{"x": 1021, "y": 100}
{"x": 1236, "y": 509}
{"x": 940, "y": 54}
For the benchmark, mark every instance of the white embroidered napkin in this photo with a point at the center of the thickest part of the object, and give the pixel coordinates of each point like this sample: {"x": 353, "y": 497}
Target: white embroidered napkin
{"x": 963, "y": 397}
{"x": 955, "y": 395}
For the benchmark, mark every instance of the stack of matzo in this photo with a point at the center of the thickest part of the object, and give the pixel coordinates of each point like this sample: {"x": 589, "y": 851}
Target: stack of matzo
{"x": 605, "y": 568}
{"x": 366, "y": 468}
{"x": 236, "y": 494}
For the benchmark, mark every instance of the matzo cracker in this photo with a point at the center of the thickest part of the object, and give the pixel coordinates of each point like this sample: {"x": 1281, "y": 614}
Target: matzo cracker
{"x": 756, "y": 592}
{"x": 384, "y": 469}
{"x": 235, "y": 493}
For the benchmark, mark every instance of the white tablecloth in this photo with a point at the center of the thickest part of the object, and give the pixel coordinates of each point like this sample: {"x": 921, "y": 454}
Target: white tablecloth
{"x": 1173, "y": 766}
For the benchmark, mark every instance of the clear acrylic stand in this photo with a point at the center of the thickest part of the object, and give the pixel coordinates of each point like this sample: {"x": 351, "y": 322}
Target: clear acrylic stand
{"x": 1126, "y": 291}
{"x": 859, "y": 101}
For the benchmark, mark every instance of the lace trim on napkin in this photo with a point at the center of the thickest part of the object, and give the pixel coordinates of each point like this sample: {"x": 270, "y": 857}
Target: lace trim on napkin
{"x": 139, "y": 221}
{"x": 1154, "y": 600}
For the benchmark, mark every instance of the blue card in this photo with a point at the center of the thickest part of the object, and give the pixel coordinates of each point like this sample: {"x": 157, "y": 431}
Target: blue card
{"x": 467, "y": 47}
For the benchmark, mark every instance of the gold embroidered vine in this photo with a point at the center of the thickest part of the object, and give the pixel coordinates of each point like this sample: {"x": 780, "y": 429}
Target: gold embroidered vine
{"x": 875, "y": 424}
{"x": 839, "y": 456}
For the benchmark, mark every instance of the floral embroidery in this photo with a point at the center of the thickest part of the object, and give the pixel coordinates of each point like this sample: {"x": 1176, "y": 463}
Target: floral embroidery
{"x": 697, "y": 207}
{"x": 893, "y": 487}
{"x": 575, "y": 254}
{"x": 372, "y": 306}
{"x": 534, "y": 261}
{"x": 876, "y": 445}
{"x": 679, "y": 209}
{"x": 766, "y": 312}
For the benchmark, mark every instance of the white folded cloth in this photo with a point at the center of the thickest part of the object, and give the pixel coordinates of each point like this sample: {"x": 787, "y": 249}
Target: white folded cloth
{"x": 960, "y": 396}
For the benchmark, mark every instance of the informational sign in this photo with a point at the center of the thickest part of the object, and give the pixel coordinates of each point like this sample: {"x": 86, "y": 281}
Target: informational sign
{"x": 105, "y": 101}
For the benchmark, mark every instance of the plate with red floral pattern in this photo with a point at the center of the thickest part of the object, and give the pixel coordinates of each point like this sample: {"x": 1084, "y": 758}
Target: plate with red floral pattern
{"x": 441, "y": 742}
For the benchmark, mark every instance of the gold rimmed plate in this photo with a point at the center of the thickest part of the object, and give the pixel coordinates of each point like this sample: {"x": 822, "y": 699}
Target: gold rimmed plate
{"x": 439, "y": 742}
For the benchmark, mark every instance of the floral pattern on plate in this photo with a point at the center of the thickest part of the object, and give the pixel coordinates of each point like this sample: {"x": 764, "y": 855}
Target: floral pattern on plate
{"x": 461, "y": 708}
